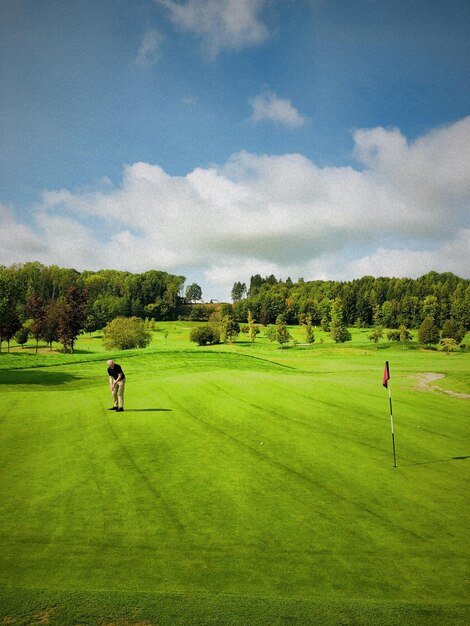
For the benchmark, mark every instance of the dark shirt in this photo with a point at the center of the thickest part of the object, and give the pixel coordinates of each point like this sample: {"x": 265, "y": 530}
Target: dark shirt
{"x": 115, "y": 371}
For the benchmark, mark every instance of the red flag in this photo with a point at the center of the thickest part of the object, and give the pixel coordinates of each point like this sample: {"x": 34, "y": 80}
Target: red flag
{"x": 386, "y": 377}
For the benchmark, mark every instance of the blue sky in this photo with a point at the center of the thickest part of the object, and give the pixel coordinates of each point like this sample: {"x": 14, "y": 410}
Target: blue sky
{"x": 223, "y": 138}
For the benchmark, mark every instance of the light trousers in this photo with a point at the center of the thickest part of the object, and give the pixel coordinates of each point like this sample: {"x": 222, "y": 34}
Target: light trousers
{"x": 118, "y": 393}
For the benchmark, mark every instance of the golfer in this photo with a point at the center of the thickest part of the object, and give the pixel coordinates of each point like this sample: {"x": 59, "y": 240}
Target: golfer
{"x": 117, "y": 381}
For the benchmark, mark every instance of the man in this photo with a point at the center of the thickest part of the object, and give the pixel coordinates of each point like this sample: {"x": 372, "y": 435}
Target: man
{"x": 116, "y": 384}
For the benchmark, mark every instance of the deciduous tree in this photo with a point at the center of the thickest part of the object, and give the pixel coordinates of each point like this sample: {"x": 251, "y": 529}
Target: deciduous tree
{"x": 238, "y": 291}
{"x": 282, "y": 333}
{"x": 193, "y": 293}
{"x": 253, "y": 329}
{"x": 36, "y": 311}
{"x": 72, "y": 316}
{"x": 229, "y": 329}
{"x": 50, "y": 329}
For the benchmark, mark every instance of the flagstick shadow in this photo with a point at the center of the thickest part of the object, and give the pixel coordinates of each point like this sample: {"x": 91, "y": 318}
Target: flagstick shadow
{"x": 451, "y": 458}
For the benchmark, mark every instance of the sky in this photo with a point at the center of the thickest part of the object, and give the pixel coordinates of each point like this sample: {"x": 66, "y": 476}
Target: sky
{"x": 218, "y": 139}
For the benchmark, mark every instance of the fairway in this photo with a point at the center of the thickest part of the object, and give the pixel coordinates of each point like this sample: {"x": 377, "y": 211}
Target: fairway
{"x": 242, "y": 484}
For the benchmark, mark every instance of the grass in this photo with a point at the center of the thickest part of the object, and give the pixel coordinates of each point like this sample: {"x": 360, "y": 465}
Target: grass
{"x": 243, "y": 484}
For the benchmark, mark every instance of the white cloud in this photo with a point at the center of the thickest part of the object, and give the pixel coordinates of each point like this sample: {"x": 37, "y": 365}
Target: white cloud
{"x": 269, "y": 106}
{"x": 451, "y": 256}
{"x": 431, "y": 171}
{"x": 149, "y": 50}
{"x": 220, "y": 24}
{"x": 404, "y": 213}
{"x": 18, "y": 242}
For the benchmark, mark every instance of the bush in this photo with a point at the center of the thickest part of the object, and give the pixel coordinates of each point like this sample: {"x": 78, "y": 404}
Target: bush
{"x": 377, "y": 333}
{"x": 202, "y": 335}
{"x": 448, "y": 344}
{"x": 125, "y": 333}
{"x": 401, "y": 334}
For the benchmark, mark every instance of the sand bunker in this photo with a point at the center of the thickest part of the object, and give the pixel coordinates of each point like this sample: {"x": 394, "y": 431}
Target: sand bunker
{"x": 424, "y": 381}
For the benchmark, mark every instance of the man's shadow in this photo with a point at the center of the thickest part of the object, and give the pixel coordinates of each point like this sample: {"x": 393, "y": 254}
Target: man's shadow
{"x": 147, "y": 410}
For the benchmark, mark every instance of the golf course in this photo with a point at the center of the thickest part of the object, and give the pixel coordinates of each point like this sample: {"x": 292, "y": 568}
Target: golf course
{"x": 244, "y": 483}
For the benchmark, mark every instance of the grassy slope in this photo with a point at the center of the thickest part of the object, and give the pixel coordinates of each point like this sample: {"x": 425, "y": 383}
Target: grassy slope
{"x": 242, "y": 485}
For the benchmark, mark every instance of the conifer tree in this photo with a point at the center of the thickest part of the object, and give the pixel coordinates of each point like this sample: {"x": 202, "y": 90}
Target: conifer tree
{"x": 428, "y": 332}
{"x": 309, "y": 336}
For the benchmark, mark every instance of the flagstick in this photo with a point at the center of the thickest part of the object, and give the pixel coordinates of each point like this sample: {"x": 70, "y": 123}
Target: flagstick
{"x": 391, "y": 424}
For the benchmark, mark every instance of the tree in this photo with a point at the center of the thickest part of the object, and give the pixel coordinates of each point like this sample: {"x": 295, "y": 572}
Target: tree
{"x": 409, "y": 315}
{"x": 429, "y": 307}
{"x": 22, "y": 335}
{"x": 193, "y": 293}
{"x": 229, "y": 329}
{"x": 104, "y": 309}
{"x": 338, "y": 330}
{"x": 388, "y": 317}
{"x": 325, "y": 311}
{"x": 253, "y": 329}
{"x": 453, "y": 330}
{"x": 200, "y": 313}
{"x": 36, "y": 310}
{"x": 405, "y": 335}
{"x": 72, "y": 314}
{"x": 204, "y": 334}
{"x": 9, "y": 318}
{"x": 402, "y": 334}
{"x": 238, "y": 291}
{"x": 282, "y": 333}
{"x": 125, "y": 333}
{"x": 270, "y": 333}
{"x": 225, "y": 309}
{"x": 339, "y": 333}
{"x": 309, "y": 336}
{"x": 9, "y": 325}
{"x": 428, "y": 333}
{"x": 50, "y": 328}
{"x": 255, "y": 284}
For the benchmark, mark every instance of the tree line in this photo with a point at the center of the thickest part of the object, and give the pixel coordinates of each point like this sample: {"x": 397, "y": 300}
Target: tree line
{"x": 437, "y": 305}
{"x": 364, "y": 302}
{"x": 56, "y": 304}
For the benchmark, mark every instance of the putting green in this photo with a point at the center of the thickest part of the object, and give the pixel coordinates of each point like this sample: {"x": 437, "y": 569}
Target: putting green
{"x": 242, "y": 485}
